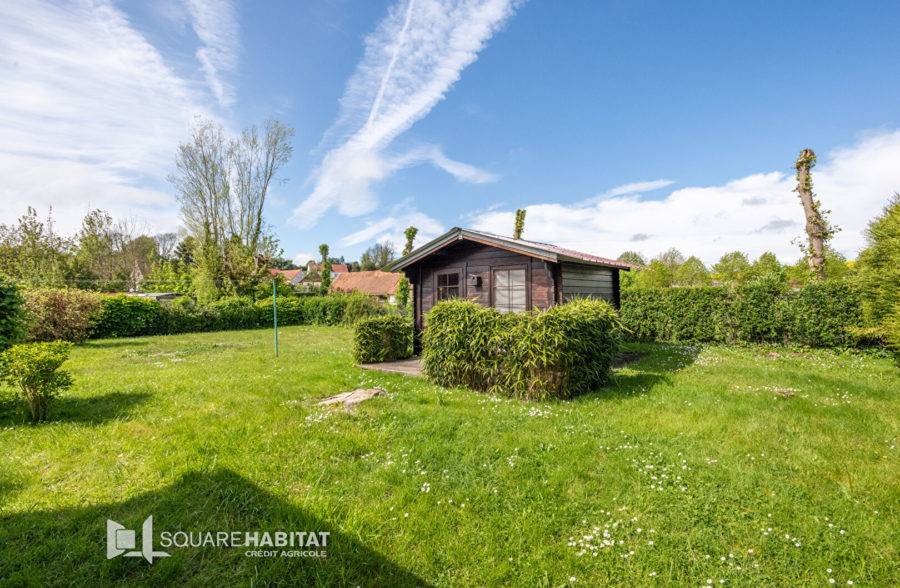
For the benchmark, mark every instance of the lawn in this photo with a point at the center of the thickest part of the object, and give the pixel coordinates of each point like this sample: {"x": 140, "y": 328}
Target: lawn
{"x": 697, "y": 466}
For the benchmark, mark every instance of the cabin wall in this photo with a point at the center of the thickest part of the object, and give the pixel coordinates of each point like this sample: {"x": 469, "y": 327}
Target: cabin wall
{"x": 579, "y": 281}
{"x": 475, "y": 259}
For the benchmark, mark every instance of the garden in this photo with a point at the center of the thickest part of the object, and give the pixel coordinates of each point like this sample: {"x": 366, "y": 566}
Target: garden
{"x": 695, "y": 464}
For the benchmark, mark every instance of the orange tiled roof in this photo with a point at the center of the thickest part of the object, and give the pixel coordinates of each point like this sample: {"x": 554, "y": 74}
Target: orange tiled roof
{"x": 375, "y": 283}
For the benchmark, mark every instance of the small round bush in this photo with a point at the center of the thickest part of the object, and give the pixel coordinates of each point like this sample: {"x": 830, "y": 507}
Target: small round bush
{"x": 33, "y": 368}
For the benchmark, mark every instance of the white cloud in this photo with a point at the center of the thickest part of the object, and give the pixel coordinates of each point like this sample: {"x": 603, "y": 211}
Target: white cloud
{"x": 410, "y": 62}
{"x": 756, "y": 213}
{"x": 215, "y": 23}
{"x": 634, "y": 188}
{"x": 90, "y": 112}
{"x": 391, "y": 228}
{"x": 301, "y": 258}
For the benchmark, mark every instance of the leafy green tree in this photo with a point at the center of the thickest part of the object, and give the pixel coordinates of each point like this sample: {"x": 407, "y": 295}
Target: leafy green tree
{"x": 692, "y": 273}
{"x": 627, "y": 279}
{"x": 657, "y": 276}
{"x": 732, "y": 268}
{"x": 765, "y": 264}
{"x": 32, "y": 253}
{"x": 672, "y": 259}
{"x": 878, "y": 270}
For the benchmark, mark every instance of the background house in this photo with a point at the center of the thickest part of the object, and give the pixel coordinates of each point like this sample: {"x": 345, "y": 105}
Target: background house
{"x": 511, "y": 275}
{"x": 382, "y": 285}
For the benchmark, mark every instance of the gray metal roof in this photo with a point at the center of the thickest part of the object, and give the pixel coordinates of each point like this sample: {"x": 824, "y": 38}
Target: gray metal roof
{"x": 532, "y": 248}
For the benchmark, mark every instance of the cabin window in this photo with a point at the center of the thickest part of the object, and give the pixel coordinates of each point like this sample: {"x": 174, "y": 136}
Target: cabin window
{"x": 448, "y": 286}
{"x": 510, "y": 290}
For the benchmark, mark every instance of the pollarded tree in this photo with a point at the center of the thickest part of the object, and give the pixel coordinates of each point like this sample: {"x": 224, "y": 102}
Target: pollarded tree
{"x": 818, "y": 230}
{"x": 326, "y": 267}
{"x": 410, "y": 234}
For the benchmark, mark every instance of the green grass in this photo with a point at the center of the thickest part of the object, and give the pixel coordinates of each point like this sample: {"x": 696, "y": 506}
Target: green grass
{"x": 210, "y": 432}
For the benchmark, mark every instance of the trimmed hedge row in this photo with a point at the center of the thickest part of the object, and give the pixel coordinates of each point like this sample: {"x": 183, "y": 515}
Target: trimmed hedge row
{"x": 561, "y": 352}
{"x": 12, "y": 316}
{"x": 75, "y": 315}
{"x": 383, "y": 338}
{"x": 818, "y": 315}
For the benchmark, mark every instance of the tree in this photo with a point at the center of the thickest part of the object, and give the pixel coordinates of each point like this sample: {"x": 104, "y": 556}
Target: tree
{"x": 377, "y": 257}
{"x": 818, "y": 230}
{"x": 628, "y": 279}
{"x": 765, "y": 264}
{"x": 165, "y": 244}
{"x": 520, "y": 224}
{"x": 878, "y": 269}
{"x": 732, "y": 268}
{"x": 221, "y": 184}
{"x": 672, "y": 259}
{"x": 692, "y": 273}
{"x": 657, "y": 276}
{"x": 410, "y": 234}
{"x": 326, "y": 267}
{"x": 31, "y": 252}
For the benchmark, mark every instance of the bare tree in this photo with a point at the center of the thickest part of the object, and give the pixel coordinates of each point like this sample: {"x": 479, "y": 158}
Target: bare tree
{"x": 255, "y": 160}
{"x": 165, "y": 244}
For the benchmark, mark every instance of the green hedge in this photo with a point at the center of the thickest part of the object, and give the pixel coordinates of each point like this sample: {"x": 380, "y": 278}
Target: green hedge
{"x": 382, "y": 338}
{"x": 12, "y": 315}
{"x": 63, "y": 314}
{"x": 561, "y": 352}
{"x": 818, "y": 315}
{"x": 74, "y": 315}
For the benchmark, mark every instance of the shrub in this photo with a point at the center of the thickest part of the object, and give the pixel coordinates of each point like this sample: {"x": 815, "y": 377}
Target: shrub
{"x": 560, "y": 352}
{"x": 677, "y": 314}
{"x": 359, "y": 307}
{"x": 34, "y": 369}
{"x": 823, "y": 315}
{"x": 564, "y": 351}
{"x": 382, "y": 338}
{"x": 12, "y": 315}
{"x": 129, "y": 316}
{"x": 235, "y": 313}
{"x": 818, "y": 315}
{"x": 62, "y": 313}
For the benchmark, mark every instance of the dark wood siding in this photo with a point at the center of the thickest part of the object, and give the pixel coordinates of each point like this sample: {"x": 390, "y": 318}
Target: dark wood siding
{"x": 588, "y": 280}
{"x": 549, "y": 283}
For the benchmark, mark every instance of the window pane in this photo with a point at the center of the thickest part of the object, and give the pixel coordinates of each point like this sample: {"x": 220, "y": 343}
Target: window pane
{"x": 453, "y": 292}
{"x": 517, "y": 278}
{"x": 442, "y": 280}
{"x": 517, "y": 300}
{"x": 501, "y": 297}
{"x": 501, "y": 278}
{"x": 453, "y": 279}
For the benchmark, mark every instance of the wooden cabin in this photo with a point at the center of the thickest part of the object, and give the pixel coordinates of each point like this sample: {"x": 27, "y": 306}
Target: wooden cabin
{"x": 511, "y": 275}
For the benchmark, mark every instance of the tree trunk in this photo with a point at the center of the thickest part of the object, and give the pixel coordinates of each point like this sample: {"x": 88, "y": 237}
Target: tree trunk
{"x": 815, "y": 225}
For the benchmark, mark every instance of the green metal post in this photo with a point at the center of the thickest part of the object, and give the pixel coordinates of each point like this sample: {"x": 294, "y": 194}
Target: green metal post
{"x": 275, "y": 314}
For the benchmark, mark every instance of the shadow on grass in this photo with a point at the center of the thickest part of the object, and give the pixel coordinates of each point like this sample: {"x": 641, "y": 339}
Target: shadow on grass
{"x": 653, "y": 364}
{"x": 68, "y": 546}
{"x": 68, "y": 409}
{"x": 113, "y": 343}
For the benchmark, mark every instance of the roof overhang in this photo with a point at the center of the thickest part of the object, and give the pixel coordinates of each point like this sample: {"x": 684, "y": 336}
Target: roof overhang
{"x": 458, "y": 234}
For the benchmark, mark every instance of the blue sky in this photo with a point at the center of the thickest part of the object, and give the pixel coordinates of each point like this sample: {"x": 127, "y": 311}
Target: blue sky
{"x": 619, "y": 125}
